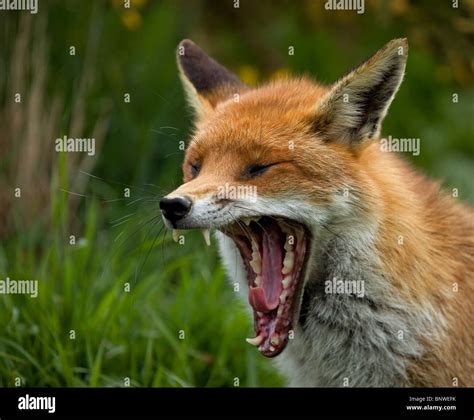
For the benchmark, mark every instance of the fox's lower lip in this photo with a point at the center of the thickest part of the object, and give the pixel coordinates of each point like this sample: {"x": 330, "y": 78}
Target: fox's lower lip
{"x": 273, "y": 251}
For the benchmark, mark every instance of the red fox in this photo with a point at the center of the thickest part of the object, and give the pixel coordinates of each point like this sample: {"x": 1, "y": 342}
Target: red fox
{"x": 358, "y": 270}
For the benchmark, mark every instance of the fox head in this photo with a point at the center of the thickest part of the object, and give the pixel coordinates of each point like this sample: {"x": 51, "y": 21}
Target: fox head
{"x": 277, "y": 168}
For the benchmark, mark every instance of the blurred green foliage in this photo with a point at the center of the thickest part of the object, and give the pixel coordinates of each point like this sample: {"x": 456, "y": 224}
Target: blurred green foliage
{"x": 136, "y": 54}
{"x": 132, "y": 51}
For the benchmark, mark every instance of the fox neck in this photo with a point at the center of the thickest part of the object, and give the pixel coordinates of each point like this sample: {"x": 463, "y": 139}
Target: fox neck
{"x": 347, "y": 340}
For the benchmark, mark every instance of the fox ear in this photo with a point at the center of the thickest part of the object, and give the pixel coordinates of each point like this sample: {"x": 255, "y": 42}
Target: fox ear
{"x": 354, "y": 108}
{"x": 205, "y": 81}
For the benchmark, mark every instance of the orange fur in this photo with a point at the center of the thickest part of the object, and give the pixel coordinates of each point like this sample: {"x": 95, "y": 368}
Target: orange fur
{"x": 425, "y": 241}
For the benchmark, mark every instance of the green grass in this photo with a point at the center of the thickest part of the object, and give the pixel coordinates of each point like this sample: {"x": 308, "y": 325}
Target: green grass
{"x": 119, "y": 334}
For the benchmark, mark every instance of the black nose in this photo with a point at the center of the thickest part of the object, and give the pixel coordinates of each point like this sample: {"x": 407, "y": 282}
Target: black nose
{"x": 176, "y": 208}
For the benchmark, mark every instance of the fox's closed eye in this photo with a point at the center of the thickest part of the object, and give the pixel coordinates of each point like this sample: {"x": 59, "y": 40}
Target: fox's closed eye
{"x": 195, "y": 168}
{"x": 255, "y": 169}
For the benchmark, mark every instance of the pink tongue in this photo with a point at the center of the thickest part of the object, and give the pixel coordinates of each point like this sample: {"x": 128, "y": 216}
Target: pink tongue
{"x": 266, "y": 297}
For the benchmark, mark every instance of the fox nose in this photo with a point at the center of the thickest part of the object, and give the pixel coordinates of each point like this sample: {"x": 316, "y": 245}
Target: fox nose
{"x": 176, "y": 208}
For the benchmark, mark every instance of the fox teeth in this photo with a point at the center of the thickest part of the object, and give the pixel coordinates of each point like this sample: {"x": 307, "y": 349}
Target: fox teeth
{"x": 288, "y": 262}
{"x": 255, "y": 341}
{"x": 286, "y": 282}
{"x": 275, "y": 339}
{"x": 256, "y": 255}
{"x": 256, "y": 265}
{"x": 248, "y": 220}
{"x": 207, "y": 236}
{"x": 175, "y": 235}
{"x": 258, "y": 281}
{"x": 283, "y": 296}
{"x": 254, "y": 249}
{"x": 280, "y": 311}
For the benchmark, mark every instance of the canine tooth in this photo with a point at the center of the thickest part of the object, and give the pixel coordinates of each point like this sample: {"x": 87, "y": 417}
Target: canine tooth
{"x": 280, "y": 311}
{"x": 258, "y": 280}
{"x": 275, "y": 340}
{"x": 255, "y": 341}
{"x": 288, "y": 262}
{"x": 207, "y": 236}
{"x": 283, "y": 296}
{"x": 286, "y": 282}
{"x": 248, "y": 220}
{"x": 259, "y": 313}
{"x": 272, "y": 348}
{"x": 256, "y": 266}
{"x": 175, "y": 235}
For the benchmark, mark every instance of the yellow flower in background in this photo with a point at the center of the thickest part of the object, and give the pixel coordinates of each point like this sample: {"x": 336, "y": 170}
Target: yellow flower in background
{"x": 279, "y": 74}
{"x": 248, "y": 75}
{"x": 131, "y": 19}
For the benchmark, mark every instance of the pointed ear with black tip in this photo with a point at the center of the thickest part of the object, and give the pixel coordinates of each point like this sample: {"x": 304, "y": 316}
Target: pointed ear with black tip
{"x": 352, "y": 111}
{"x": 205, "y": 81}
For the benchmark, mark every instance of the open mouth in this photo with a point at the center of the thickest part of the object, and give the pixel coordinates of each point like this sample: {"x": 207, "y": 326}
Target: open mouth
{"x": 273, "y": 251}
